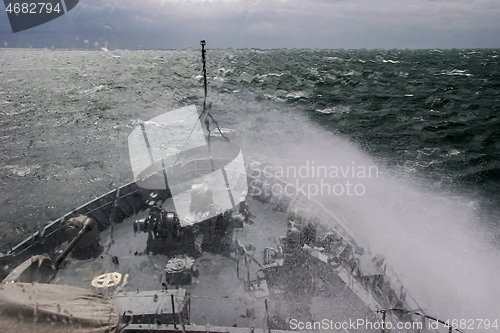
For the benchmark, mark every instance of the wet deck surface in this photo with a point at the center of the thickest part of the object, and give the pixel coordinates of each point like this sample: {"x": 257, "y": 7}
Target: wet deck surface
{"x": 219, "y": 296}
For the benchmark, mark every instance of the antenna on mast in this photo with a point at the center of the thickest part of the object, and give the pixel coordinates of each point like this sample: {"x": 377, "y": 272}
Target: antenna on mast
{"x": 203, "y": 53}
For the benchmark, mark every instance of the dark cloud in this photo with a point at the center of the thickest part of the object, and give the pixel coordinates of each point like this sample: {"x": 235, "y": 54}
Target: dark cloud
{"x": 171, "y": 24}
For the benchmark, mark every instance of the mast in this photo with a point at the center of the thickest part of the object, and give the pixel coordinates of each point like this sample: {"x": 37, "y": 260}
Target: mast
{"x": 207, "y": 121}
{"x": 203, "y": 53}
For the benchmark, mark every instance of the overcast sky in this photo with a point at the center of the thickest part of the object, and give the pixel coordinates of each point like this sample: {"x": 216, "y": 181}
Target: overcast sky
{"x": 179, "y": 24}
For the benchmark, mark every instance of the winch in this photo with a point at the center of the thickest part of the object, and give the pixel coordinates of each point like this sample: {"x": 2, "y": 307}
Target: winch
{"x": 161, "y": 223}
{"x": 180, "y": 271}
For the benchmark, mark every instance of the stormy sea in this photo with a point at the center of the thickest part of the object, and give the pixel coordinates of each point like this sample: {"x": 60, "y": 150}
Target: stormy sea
{"x": 403, "y": 145}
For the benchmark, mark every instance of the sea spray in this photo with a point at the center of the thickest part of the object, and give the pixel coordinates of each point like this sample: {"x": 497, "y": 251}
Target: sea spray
{"x": 431, "y": 240}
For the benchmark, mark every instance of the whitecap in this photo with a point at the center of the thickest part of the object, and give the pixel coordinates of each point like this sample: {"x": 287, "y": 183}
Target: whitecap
{"x": 453, "y": 152}
{"x": 334, "y": 59}
{"x": 297, "y": 94}
{"x": 339, "y": 109}
{"x": 325, "y": 111}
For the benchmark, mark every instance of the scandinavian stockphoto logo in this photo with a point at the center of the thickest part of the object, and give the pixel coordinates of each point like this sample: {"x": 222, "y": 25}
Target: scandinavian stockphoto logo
{"x": 312, "y": 179}
{"x": 24, "y": 14}
{"x": 170, "y": 152}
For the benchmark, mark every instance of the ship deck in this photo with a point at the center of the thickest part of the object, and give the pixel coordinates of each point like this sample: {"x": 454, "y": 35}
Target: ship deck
{"x": 219, "y": 296}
